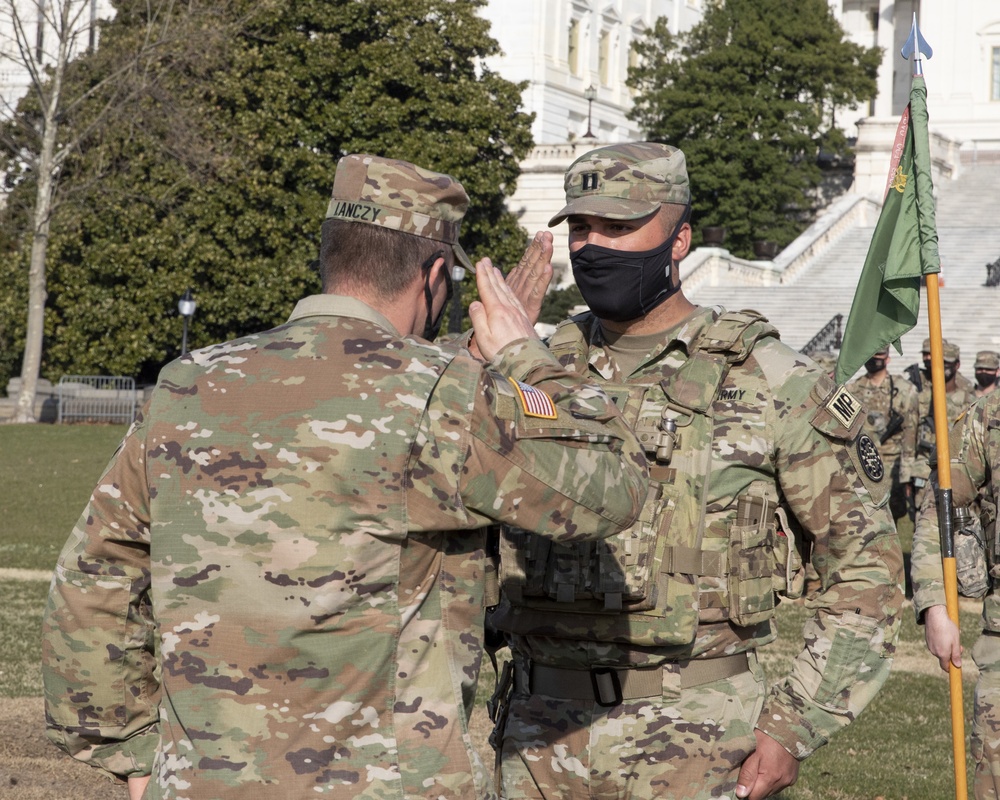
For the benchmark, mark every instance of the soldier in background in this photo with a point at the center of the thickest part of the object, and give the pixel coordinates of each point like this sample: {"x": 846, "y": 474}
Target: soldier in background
{"x": 987, "y": 371}
{"x": 975, "y": 472}
{"x": 636, "y": 670}
{"x": 892, "y": 405}
{"x": 298, "y": 516}
{"x": 959, "y": 395}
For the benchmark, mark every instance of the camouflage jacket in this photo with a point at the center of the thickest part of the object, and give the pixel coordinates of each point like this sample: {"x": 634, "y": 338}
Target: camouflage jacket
{"x": 776, "y": 419}
{"x": 975, "y": 474}
{"x": 957, "y": 402}
{"x": 278, "y": 584}
{"x": 895, "y": 395}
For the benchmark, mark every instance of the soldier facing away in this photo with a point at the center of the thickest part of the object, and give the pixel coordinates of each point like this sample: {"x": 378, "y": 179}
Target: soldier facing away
{"x": 635, "y": 661}
{"x": 277, "y": 589}
{"x": 892, "y": 414}
{"x": 975, "y": 472}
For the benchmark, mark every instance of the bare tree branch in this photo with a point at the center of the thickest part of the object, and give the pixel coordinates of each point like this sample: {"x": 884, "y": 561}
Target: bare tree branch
{"x": 34, "y": 141}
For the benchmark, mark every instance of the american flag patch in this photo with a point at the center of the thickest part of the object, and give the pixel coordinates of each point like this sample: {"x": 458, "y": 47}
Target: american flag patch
{"x": 534, "y": 401}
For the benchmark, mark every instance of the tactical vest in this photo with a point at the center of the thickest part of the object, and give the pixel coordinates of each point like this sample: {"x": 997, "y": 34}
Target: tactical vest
{"x": 654, "y": 582}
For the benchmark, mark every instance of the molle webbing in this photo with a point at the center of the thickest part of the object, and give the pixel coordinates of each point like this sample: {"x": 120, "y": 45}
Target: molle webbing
{"x": 653, "y": 570}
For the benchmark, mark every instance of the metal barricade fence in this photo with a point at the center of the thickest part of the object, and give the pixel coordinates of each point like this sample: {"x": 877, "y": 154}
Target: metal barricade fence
{"x": 97, "y": 398}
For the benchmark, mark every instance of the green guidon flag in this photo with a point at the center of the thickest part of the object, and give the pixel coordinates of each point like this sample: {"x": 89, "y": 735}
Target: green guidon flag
{"x": 904, "y": 247}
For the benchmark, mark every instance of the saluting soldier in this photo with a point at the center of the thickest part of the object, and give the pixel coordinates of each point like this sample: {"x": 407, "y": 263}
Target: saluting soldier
{"x": 277, "y": 589}
{"x": 636, "y": 669}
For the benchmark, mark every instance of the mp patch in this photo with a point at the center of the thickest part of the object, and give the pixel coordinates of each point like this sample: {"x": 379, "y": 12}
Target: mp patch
{"x": 869, "y": 458}
{"x": 844, "y": 406}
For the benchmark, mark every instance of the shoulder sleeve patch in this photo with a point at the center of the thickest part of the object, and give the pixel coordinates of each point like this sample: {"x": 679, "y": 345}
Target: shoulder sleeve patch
{"x": 844, "y": 406}
{"x": 839, "y": 414}
{"x": 534, "y": 402}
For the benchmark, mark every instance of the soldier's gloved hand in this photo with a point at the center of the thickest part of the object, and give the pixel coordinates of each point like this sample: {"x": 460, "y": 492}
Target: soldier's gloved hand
{"x": 767, "y": 770}
{"x": 942, "y": 637}
{"x": 532, "y": 275}
{"x": 498, "y": 317}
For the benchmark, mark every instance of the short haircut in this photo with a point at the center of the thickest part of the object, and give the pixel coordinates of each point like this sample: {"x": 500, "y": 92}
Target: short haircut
{"x": 378, "y": 260}
{"x": 672, "y": 215}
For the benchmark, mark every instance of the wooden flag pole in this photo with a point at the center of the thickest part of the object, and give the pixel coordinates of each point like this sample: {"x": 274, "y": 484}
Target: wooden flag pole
{"x": 916, "y": 47}
{"x": 944, "y": 507}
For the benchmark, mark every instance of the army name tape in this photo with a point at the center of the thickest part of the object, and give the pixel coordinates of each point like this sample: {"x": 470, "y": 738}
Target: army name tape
{"x": 342, "y": 209}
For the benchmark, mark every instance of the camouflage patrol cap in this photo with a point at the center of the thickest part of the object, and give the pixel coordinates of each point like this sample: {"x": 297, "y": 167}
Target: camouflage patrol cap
{"x": 625, "y": 181}
{"x": 401, "y": 196}
{"x": 950, "y": 351}
{"x": 883, "y": 352}
{"x": 987, "y": 359}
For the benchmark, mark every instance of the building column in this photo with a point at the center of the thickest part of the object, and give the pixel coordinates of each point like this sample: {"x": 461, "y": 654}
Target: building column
{"x": 886, "y": 39}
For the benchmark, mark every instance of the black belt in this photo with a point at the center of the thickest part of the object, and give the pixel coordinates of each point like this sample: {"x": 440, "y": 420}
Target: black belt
{"x": 609, "y": 687}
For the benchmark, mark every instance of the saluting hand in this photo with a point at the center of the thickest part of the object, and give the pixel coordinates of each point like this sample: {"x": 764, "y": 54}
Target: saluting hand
{"x": 532, "y": 275}
{"x": 498, "y": 317}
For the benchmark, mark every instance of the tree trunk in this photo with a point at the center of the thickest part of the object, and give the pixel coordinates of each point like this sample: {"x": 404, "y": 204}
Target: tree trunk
{"x": 32, "y": 360}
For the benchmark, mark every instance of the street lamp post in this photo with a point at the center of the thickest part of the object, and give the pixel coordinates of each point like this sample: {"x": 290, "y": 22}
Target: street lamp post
{"x": 456, "y": 312}
{"x": 591, "y": 94}
{"x": 186, "y": 307}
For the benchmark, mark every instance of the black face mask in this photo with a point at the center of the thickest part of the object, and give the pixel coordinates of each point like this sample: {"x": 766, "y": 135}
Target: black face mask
{"x": 949, "y": 372}
{"x": 433, "y": 327}
{"x": 620, "y": 285}
{"x": 985, "y": 379}
{"x": 873, "y": 365}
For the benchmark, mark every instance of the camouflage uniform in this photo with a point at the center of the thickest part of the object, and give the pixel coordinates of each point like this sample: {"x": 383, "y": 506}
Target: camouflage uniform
{"x": 894, "y": 395}
{"x": 680, "y": 688}
{"x": 975, "y": 456}
{"x": 957, "y": 401}
{"x": 277, "y": 589}
{"x": 635, "y": 664}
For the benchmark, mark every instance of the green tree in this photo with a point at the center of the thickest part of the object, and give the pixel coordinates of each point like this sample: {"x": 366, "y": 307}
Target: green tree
{"x": 750, "y": 95}
{"x": 557, "y": 304}
{"x": 40, "y": 39}
{"x": 220, "y": 178}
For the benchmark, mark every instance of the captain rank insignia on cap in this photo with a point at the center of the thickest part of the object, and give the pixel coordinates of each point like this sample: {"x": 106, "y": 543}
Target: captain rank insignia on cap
{"x": 534, "y": 401}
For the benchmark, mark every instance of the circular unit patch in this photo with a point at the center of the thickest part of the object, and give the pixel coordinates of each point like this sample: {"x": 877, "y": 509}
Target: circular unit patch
{"x": 871, "y": 461}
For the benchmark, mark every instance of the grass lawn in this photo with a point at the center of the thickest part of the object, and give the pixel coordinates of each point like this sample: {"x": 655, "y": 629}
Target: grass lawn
{"x": 21, "y": 606}
{"x": 900, "y": 748}
{"x": 47, "y": 473}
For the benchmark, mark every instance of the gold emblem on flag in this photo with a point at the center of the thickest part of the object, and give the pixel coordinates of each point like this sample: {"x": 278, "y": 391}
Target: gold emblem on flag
{"x": 898, "y": 180}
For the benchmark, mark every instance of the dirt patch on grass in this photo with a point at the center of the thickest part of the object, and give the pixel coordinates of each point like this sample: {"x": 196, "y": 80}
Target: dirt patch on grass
{"x": 31, "y": 768}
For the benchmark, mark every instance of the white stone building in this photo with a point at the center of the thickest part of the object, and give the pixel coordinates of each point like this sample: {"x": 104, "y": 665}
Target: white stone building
{"x": 562, "y": 47}
{"x": 40, "y": 21}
